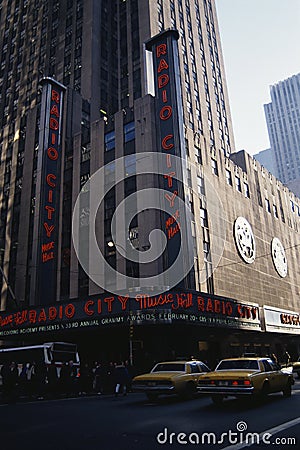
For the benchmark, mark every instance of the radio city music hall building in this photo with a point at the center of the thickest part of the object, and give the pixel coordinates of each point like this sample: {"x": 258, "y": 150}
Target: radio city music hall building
{"x": 84, "y": 84}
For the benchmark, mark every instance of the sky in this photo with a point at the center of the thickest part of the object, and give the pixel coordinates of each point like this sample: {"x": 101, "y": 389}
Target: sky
{"x": 261, "y": 46}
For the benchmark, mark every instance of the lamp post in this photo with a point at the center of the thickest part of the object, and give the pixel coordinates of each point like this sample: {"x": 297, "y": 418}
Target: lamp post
{"x": 9, "y": 287}
{"x": 112, "y": 244}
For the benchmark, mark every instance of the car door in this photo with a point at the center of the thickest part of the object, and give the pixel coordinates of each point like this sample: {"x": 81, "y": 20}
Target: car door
{"x": 195, "y": 371}
{"x": 280, "y": 378}
{"x": 271, "y": 375}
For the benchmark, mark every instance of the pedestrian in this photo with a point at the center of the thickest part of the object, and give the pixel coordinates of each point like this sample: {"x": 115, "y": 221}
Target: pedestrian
{"x": 63, "y": 379}
{"x": 287, "y": 358}
{"x": 23, "y": 381}
{"x": 71, "y": 379}
{"x": 99, "y": 378}
{"x": 121, "y": 379}
{"x": 52, "y": 378}
{"x": 9, "y": 373}
{"x": 85, "y": 379}
{"x": 38, "y": 379}
{"x": 109, "y": 378}
{"x": 130, "y": 370}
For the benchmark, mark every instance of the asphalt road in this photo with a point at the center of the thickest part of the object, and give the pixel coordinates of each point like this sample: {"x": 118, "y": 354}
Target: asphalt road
{"x": 132, "y": 422}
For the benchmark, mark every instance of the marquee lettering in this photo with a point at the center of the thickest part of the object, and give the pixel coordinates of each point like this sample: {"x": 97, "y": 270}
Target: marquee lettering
{"x": 290, "y": 319}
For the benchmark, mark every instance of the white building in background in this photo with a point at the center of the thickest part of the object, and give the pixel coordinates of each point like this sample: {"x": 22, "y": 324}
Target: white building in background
{"x": 266, "y": 159}
{"x": 283, "y": 122}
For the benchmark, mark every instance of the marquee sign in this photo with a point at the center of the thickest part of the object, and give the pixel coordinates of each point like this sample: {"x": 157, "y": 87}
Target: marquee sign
{"x": 281, "y": 320}
{"x": 50, "y": 158}
{"x": 169, "y": 307}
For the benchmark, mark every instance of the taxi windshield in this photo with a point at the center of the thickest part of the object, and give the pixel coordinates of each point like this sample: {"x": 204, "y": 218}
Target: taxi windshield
{"x": 238, "y": 364}
{"x": 169, "y": 367}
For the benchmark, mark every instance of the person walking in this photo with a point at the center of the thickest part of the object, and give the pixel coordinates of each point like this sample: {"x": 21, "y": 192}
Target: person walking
{"x": 9, "y": 373}
{"x": 52, "y": 378}
{"x": 287, "y": 358}
{"x": 121, "y": 379}
{"x": 99, "y": 378}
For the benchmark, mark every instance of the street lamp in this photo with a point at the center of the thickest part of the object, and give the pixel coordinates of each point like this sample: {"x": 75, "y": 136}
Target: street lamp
{"x": 9, "y": 287}
{"x": 112, "y": 244}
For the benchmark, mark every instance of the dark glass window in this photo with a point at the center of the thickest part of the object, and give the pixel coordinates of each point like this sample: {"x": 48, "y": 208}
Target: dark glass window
{"x": 129, "y": 132}
{"x": 109, "y": 140}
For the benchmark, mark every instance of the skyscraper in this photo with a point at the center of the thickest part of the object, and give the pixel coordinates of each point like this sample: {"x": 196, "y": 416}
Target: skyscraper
{"x": 91, "y": 223}
{"x": 96, "y": 49}
{"x": 283, "y": 121}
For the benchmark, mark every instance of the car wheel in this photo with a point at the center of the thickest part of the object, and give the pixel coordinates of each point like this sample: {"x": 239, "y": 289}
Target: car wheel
{"x": 264, "y": 391}
{"x": 287, "y": 391}
{"x": 152, "y": 397}
{"x": 217, "y": 399}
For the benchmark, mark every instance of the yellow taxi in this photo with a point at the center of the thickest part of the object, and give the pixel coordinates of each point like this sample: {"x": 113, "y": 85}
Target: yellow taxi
{"x": 245, "y": 376}
{"x": 170, "y": 377}
{"x": 296, "y": 367}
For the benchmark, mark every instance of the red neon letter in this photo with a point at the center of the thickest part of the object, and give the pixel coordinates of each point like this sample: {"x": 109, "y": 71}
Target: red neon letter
{"x": 163, "y": 80}
{"x": 169, "y": 177}
{"x": 123, "y": 301}
{"x": 86, "y": 307}
{"x": 55, "y": 96}
{"x": 70, "y": 310}
{"x": 109, "y": 301}
{"x": 165, "y": 109}
{"x": 50, "y": 177}
{"x": 53, "y": 124}
{"x": 161, "y": 50}
{"x": 171, "y": 199}
{"x": 52, "y": 153}
{"x": 50, "y": 210}
{"x": 162, "y": 65}
{"x": 54, "y": 111}
{"x": 164, "y": 144}
{"x": 48, "y": 229}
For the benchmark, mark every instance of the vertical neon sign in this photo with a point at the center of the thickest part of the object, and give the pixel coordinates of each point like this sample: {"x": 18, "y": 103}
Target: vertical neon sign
{"x": 169, "y": 123}
{"x": 48, "y": 191}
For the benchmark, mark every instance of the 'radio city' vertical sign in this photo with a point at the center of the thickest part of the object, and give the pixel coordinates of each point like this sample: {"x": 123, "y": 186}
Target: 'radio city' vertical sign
{"x": 50, "y": 158}
{"x": 169, "y": 125}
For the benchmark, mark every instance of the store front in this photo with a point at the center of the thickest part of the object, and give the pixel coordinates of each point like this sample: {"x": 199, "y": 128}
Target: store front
{"x": 147, "y": 329}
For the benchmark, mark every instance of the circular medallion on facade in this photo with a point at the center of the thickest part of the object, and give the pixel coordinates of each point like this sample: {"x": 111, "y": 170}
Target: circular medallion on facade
{"x": 279, "y": 257}
{"x": 244, "y": 239}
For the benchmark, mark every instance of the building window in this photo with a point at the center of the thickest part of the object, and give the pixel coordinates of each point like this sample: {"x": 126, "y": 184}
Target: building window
{"x": 275, "y": 211}
{"x": 203, "y": 218}
{"x": 268, "y": 206}
{"x": 214, "y": 167}
{"x": 200, "y": 184}
{"x": 246, "y": 190}
{"x": 228, "y": 177}
{"x": 109, "y": 140}
{"x": 238, "y": 185}
{"x": 129, "y": 132}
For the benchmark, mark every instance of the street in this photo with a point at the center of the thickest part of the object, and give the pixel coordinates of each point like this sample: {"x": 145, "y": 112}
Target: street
{"x": 132, "y": 422}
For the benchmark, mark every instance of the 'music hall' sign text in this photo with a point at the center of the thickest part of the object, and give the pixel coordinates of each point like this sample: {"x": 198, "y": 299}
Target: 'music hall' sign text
{"x": 170, "y": 307}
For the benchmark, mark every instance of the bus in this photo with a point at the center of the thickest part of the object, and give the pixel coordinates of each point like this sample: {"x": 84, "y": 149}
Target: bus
{"x": 59, "y": 352}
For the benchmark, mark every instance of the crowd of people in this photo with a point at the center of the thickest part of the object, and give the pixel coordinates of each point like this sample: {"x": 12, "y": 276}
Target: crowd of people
{"x": 38, "y": 381}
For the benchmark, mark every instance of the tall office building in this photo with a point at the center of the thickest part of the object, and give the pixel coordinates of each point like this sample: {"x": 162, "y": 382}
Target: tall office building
{"x": 84, "y": 84}
{"x": 265, "y": 158}
{"x": 96, "y": 49}
{"x": 283, "y": 121}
